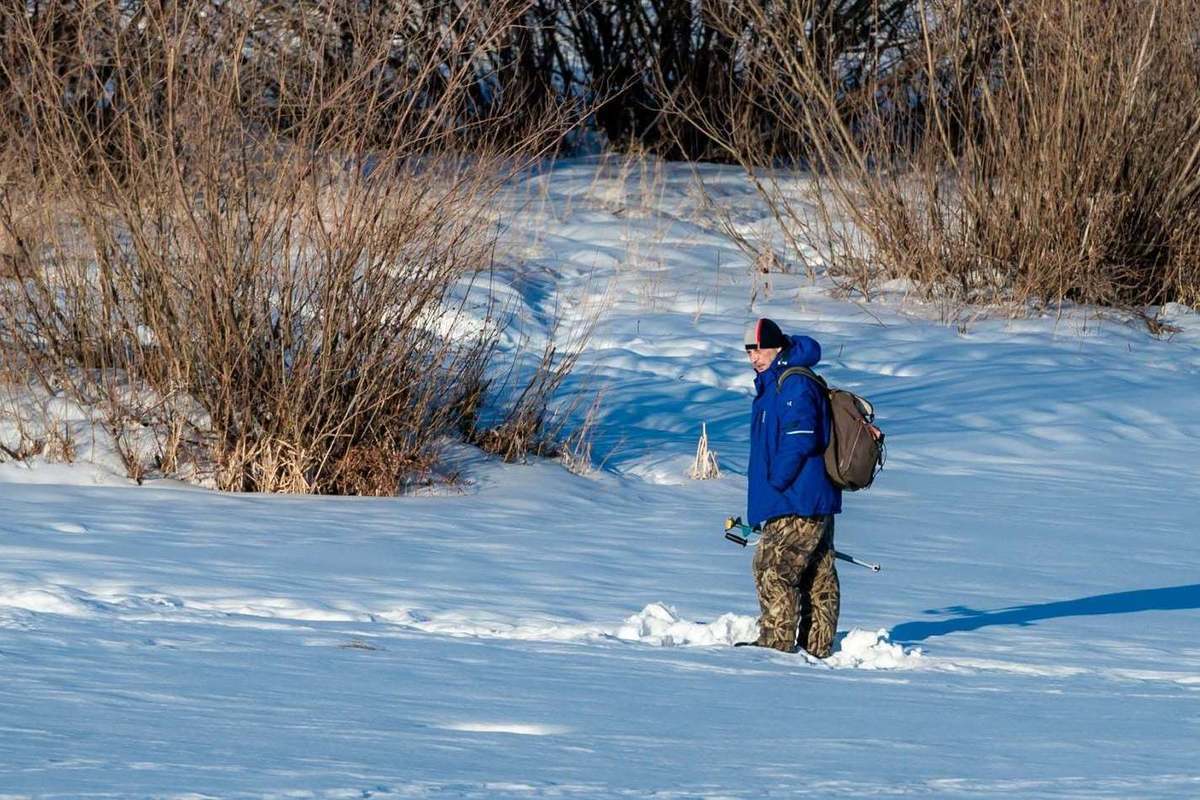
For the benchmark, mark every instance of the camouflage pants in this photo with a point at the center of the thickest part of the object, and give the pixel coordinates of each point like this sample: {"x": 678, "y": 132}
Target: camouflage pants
{"x": 797, "y": 584}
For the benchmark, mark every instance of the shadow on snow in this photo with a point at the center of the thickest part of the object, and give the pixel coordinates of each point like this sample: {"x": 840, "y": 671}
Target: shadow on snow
{"x": 1169, "y": 598}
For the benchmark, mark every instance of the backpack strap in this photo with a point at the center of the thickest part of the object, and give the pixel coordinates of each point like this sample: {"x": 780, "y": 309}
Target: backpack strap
{"x": 806, "y": 372}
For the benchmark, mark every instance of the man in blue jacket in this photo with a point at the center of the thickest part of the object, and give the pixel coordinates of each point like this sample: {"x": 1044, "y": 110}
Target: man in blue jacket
{"x": 790, "y": 495}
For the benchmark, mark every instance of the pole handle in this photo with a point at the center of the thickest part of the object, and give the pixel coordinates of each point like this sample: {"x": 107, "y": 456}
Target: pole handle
{"x": 853, "y": 560}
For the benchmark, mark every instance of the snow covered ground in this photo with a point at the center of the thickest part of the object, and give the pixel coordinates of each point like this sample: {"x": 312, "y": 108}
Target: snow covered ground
{"x": 1035, "y": 631}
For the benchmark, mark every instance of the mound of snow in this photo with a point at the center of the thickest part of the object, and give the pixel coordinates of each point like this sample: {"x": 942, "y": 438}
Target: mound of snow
{"x": 659, "y": 624}
{"x": 43, "y": 600}
{"x": 873, "y": 650}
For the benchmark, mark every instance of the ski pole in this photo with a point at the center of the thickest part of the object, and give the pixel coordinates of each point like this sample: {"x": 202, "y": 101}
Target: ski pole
{"x": 747, "y": 531}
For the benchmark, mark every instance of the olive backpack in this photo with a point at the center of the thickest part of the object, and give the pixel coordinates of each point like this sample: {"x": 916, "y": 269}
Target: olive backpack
{"x": 855, "y": 452}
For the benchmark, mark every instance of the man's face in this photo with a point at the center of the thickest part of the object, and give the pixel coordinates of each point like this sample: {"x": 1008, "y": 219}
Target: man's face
{"x": 761, "y": 358}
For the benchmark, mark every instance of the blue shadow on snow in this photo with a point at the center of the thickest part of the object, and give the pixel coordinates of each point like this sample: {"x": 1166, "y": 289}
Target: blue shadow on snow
{"x": 1169, "y": 598}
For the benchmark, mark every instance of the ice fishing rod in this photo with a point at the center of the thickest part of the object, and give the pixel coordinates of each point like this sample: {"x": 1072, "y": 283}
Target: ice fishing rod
{"x": 735, "y": 523}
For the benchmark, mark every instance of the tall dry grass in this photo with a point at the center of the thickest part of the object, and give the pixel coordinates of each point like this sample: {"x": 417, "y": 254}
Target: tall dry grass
{"x": 995, "y": 151}
{"x": 249, "y": 225}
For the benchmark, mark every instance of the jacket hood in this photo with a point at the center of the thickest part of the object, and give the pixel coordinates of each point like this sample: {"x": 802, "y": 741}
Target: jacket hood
{"x": 803, "y": 351}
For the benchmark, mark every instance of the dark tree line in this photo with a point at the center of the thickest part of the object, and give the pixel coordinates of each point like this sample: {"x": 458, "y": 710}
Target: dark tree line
{"x": 642, "y": 69}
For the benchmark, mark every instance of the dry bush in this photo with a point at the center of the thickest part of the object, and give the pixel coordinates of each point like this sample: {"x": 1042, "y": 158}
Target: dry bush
{"x": 999, "y": 150}
{"x": 124, "y": 438}
{"x": 576, "y": 451}
{"x": 22, "y": 437}
{"x": 32, "y": 424}
{"x": 527, "y": 425}
{"x": 705, "y": 466}
{"x": 279, "y": 239}
{"x": 24, "y": 450}
{"x": 515, "y": 414}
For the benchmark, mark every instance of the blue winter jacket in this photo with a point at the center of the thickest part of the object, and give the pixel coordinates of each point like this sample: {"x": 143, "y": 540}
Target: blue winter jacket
{"x": 788, "y": 434}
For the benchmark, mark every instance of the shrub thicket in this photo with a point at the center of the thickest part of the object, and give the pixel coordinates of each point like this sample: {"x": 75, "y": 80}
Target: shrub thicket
{"x": 1011, "y": 150}
{"x": 244, "y": 221}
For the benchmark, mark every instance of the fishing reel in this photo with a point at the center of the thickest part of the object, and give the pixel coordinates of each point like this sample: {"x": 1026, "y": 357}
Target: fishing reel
{"x": 738, "y": 532}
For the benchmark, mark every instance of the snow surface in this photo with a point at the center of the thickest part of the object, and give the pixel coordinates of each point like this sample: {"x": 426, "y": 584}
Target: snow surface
{"x": 1034, "y": 633}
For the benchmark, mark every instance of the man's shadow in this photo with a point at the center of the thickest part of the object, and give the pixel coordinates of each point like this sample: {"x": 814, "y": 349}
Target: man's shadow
{"x": 1170, "y": 598}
